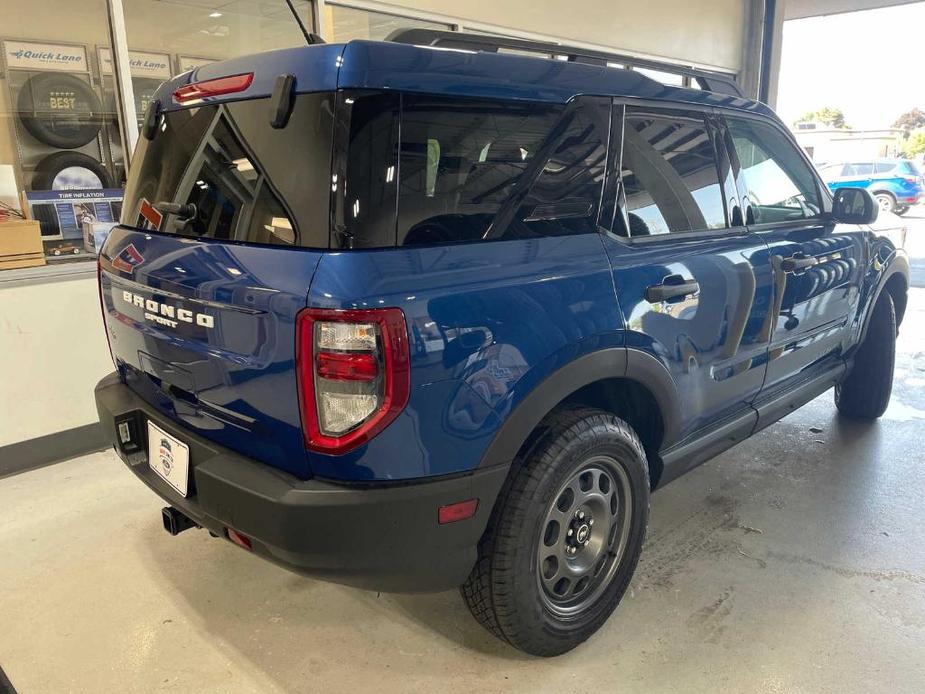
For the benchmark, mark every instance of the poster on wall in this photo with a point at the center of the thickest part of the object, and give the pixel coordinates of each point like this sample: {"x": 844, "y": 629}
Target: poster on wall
{"x": 147, "y": 69}
{"x": 185, "y": 63}
{"x": 65, "y": 215}
{"x": 141, "y": 63}
{"x": 34, "y": 55}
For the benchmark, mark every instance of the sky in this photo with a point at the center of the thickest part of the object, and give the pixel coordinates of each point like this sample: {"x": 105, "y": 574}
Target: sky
{"x": 869, "y": 64}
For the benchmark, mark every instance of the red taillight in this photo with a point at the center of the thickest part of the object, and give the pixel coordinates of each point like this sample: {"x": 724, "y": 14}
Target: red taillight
{"x": 354, "y": 374}
{"x": 914, "y": 180}
{"x": 461, "y": 510}
{"x": 216, "y": 87}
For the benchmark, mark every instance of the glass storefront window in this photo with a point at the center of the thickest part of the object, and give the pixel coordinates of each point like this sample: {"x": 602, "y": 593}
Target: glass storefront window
{"x": 346, "y": 23}
{"x": 57, "y": 127}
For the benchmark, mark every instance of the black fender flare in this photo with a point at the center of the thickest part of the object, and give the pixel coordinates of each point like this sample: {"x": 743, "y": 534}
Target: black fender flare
{"x": 614, "y": 362}
{"x": 897, "y": 264}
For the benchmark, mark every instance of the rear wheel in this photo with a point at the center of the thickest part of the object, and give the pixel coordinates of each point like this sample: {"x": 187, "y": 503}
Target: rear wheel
{"x": 865, "y": 391}
{"x": 565, "y": 536}
{"x": 886, "y": 202}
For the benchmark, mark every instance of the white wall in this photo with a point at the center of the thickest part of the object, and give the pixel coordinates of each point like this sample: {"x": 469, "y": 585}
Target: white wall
{"x": 52, "y": 353}
{"x": 708, "y": 33}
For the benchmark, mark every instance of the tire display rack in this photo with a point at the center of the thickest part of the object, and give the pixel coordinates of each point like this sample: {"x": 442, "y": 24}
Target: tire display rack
{"x": 60, "y": 125}
{"x": 65, "y": 119}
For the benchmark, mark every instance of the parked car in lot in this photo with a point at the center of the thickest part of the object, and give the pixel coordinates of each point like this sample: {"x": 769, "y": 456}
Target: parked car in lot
{"x": 412, "y": 319}
{"x": 897, "y": 184}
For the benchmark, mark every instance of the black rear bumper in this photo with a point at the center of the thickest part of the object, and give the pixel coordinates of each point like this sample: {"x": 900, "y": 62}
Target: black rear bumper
{"x": 380, "y": 538}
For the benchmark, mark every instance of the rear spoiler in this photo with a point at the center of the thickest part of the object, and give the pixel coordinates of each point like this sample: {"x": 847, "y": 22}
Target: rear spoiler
{"x": 717, "y": 82}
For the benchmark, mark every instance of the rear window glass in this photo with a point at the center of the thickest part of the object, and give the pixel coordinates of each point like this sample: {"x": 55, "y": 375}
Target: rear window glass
{"x": 221, "y": 171}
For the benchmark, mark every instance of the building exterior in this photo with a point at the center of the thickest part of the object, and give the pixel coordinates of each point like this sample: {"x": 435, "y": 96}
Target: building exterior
{"x": 824, "y": 143}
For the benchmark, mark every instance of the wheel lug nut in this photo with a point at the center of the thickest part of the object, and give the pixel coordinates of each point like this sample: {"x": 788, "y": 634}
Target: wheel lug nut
{"x": 570, "y": 531}
{"x": 590, "y": 521}
{"x": 581, "y": 515}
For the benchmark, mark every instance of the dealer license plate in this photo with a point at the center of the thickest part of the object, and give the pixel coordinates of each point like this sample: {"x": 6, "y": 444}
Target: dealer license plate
{"x": 169, "y": 458}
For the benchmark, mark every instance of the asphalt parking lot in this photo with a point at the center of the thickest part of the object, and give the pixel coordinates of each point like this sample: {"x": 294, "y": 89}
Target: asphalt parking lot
{"x": 794, "y": 562}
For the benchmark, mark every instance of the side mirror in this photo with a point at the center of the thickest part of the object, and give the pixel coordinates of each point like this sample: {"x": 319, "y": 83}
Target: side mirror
{"x": 854, "y": 206}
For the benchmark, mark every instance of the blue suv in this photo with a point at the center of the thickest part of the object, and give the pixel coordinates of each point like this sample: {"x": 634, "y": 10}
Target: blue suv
{"x": 410, "y": 319}
{"x": 897, "y": 184}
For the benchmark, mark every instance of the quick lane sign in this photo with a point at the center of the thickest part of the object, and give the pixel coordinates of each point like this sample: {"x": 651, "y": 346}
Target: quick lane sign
{"x": 32, "y": 55}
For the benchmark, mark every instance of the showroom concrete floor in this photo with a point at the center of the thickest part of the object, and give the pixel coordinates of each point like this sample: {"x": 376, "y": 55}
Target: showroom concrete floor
{"x": 793, "y": 563}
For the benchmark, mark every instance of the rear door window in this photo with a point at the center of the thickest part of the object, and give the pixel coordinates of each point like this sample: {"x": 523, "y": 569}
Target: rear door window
{"x": 669, "y": 174}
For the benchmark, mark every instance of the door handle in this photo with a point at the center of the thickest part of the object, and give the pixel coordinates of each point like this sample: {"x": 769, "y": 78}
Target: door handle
{"x": 672, "y": 287}
{"x": 797, "y": 262}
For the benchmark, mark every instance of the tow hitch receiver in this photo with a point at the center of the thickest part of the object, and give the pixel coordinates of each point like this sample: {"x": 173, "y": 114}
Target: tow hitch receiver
{"x": 175, "y": 522}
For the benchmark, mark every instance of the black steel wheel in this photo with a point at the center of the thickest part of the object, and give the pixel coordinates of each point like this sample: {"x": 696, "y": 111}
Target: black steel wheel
{"x": 584, "y": 536}
{"x": 565, "y": 534}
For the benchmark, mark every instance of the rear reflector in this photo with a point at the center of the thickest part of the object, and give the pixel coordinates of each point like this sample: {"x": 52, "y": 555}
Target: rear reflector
{"x": 216, "y": 87}
{"x": 461, "y": 510}
{"x": 239, "y": 539}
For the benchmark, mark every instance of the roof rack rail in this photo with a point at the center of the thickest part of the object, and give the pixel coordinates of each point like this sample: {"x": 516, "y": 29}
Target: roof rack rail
{"x": 718, "y": 82}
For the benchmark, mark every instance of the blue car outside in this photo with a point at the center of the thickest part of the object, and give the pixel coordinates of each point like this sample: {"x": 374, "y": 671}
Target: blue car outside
{"x": 897, "y": 184}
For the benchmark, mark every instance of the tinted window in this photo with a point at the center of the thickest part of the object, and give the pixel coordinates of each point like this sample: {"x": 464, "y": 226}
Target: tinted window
{"x": 670, "y": 176}
{"x": 565, "y": 195}
{"x": 883, "y": 167}
{"x": 460, "y": 160}
{"x": 244, "y": 180}
{"x": 364, "y": 191}
{"x": 780, "y": 183}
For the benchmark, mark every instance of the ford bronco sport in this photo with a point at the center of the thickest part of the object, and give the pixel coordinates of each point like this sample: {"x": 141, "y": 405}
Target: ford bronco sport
{"x": 408, "y": 318}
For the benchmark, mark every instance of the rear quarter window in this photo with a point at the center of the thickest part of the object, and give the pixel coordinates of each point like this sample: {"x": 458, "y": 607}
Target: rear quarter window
{"x": 421, "y": 169}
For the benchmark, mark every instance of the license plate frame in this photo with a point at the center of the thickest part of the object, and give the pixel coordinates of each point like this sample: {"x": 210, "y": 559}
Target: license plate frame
{"x": 168, "y": 457}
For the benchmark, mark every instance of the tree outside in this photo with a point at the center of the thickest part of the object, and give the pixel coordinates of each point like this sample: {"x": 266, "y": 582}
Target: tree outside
{"x": 914, "y": 144}
{"x": 910, "y": 120}
{"x": 830, "y": 116}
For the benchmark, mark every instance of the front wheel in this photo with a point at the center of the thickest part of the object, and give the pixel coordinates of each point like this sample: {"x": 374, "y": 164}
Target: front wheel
{"x": 865, "y": 391}
{"x": 565, "y": 536}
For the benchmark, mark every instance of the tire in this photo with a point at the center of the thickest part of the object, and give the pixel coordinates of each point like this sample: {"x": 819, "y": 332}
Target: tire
{"x": 901, "y": 210}
{"x": 60, "y": 110}
{"x": 511, "y": 589}
{"x": 865, "y": 392}
{"x": 886, "y": 201}
{"x": 68, "y": 171}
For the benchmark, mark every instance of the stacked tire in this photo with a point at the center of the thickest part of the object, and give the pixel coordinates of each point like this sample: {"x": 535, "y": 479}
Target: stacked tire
{"x": 63, "y": 112}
